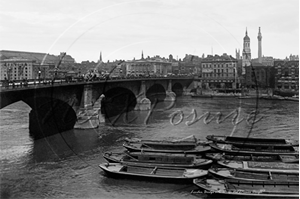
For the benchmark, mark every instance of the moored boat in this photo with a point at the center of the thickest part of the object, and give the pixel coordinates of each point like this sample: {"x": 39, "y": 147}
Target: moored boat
{"x": 158, "y": 159}
{"x": 258, "y": 175}
{"x": 239, "y": 188}
{"x": 186, "y": 143}
{"x": 150, "y": 172}
{"x": 261, "y": 166}
{"x": 254, "y": 157}
{"x": 137, "y": 147}
{"x": 254, "y": 149}
{"x": 252, "y": 140}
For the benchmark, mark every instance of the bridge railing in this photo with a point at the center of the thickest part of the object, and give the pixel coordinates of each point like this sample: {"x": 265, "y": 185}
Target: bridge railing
{"x": 8, "y": 85}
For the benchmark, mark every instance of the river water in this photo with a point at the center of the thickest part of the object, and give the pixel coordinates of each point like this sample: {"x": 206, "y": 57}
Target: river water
{"x": 66, "y": 165}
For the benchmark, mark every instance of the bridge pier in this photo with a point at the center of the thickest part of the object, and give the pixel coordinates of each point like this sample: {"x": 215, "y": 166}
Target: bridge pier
{"x": 142, "y": 102}
{"x": 186, "y": 91}
{"x": 89, "y": 115}
{"x": 170, "y": 95}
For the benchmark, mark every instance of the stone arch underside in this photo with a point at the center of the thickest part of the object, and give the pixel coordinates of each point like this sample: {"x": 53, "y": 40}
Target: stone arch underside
{"x": 118, "y": 100}
{"x": 49, "y": 116}
{"x": 177, "y": 88}
{"x": 156, "y": 93}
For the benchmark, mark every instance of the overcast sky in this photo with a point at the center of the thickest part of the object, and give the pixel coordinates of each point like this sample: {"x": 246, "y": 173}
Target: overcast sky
{"x": 122, "y": 29}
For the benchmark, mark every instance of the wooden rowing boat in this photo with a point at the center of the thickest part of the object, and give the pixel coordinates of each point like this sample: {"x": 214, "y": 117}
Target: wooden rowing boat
{"x": 137, "y": 147}
{"x": 252, "y": 140}
{"x": 239, "y": 188}
{"x": 149, "y": 172}
{"x": 261, "y": 166}
{"x": 254, "y": 157}
{"x": 246, "y": 149}
{"x": 187, "y": 143}
{"x": 158, "y": 159}
{"x": 259, "y": 175}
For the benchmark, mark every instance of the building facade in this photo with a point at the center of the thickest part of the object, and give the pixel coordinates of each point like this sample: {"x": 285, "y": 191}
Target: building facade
{"x": 21, "y": 69}
{"x": 287, "y": 75}
{"x": 17, "y": 69}
{"x": 154, "y": 66}
{"x": 19, "y": 65}
{"x": 259, "y": 75}
{"x": 219, "y": 72}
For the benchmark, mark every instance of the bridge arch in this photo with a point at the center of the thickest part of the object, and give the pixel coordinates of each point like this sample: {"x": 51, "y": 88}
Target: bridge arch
{"x": 156, "y": 93}
{"x": 177, "y": 88}
{"x": 118, "y": 100}
{"x": 49, "y": 116}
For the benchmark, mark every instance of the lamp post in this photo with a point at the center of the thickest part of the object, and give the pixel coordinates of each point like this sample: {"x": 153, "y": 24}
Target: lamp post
{"x": 121, "y": 73}
{"x": 55, "y": 73}
{"x": 44, "y": 75}
{"x": 39, "y": 76}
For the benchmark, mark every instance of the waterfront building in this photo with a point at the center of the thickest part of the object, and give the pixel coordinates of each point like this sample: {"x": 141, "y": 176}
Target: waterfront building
{"x": 266, "y": 61}
{"x": 219, "y": 72}
{"x": 287, "y": 75}
{"x": 191, "y": 65}
{"x": 19, "y": 65}
{"x": 294, "y": 58}
{"x": 155, "y": 66}
{"x": 17, "y": 69}
{"x": 259, "y": 75}
{"x": 20, "y": 69}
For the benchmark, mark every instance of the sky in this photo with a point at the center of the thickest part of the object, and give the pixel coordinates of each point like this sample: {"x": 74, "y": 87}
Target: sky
{"x": 122, "y": 29}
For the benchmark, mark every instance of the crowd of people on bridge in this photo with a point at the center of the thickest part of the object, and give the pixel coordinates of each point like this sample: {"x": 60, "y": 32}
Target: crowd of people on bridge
{"x": 6, "y": 83}
{"x": 70, "y": 79}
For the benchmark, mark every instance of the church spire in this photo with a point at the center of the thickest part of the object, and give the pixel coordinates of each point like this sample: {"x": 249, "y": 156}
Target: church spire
{"x": 100, "y": 59}
{"x": 246, "y": 36}
{"x": 142, "y": 55}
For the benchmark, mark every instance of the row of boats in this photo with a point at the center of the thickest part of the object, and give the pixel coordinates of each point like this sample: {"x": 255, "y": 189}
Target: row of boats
{"x": 221, "y": 166}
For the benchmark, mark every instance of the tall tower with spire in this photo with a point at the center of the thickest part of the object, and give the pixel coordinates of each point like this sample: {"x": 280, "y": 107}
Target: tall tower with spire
{"x": 100, "y": 58}
{"x": 259, "y": 37}
{"x": 246, "y": 51}
{"x": 142, "y": 55}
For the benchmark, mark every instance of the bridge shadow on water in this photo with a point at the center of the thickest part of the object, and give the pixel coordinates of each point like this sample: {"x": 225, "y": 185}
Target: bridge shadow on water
{"x": 119, "y": 101}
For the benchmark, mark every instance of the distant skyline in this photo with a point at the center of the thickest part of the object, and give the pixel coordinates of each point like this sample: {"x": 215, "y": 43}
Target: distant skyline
{"x": 122, "y": 29}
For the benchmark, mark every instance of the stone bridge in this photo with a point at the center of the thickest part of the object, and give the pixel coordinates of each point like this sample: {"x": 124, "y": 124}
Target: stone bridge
{"x": 55, "y": 108}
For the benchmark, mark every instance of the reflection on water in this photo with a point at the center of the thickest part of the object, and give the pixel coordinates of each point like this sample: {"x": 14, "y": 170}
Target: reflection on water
{"x": 66, "y": 165}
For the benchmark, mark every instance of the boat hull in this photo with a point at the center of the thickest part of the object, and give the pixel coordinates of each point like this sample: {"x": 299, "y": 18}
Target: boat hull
{"x": 237, "y": 174}
{"x": 159, "y": 160}
{"x": 246, "y": 149}
{"x": 252, "y": 140}
{"x": 261, "y": 166}
{"x": 248, "y": 189}
{"x": 254, "y": 157}
{"x": 172, "y": 175}
{"x": 139, "y": 148}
